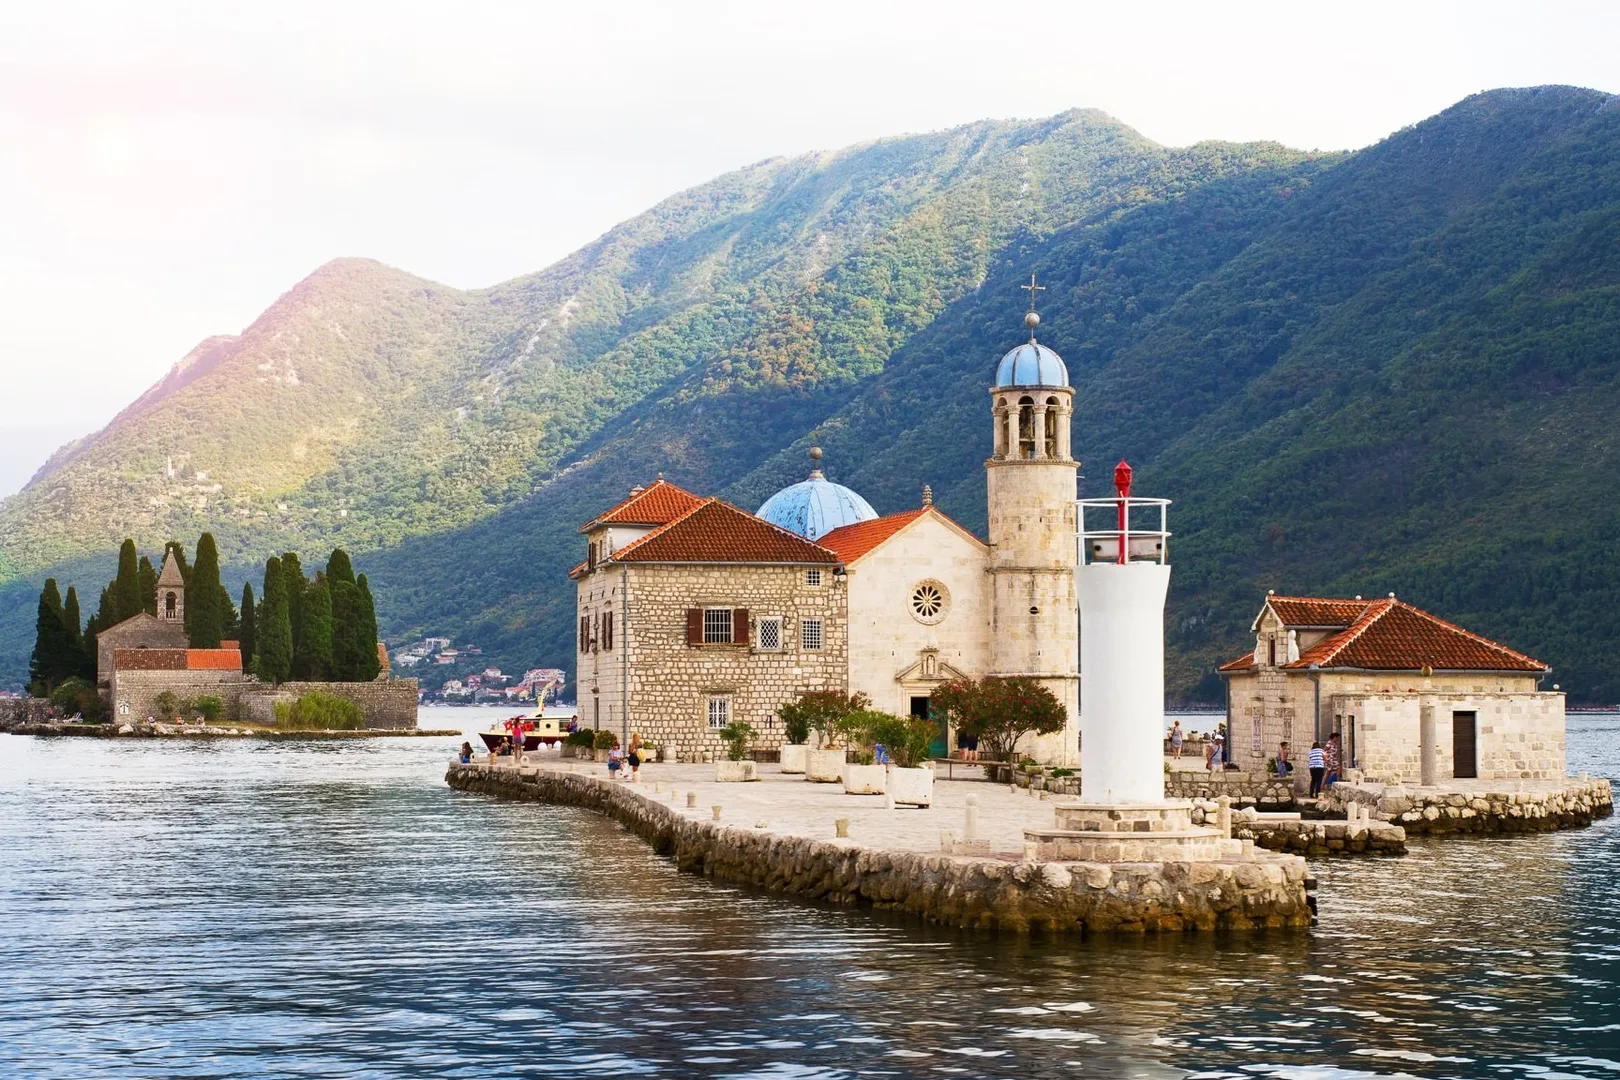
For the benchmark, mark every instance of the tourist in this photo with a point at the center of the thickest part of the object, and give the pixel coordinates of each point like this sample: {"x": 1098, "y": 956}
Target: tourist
{"x": 1176, "y": 739}
{"x": 1318, "y": 764}
{"x": 615, "y": 764}
{"x": 967, "y": 746}
{"x": 1284, "y": 766}
{"x": 635, "y": 757}
{"x": 1216, "y": 753}
{"x": 1331, "y": 760}
{"x": 466, "y": 753}
{"x": 573, "y": 723}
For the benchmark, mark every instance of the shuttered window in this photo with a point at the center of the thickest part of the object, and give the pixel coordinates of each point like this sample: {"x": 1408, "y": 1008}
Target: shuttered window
{"x": 694, "y": 626}
{"x": 739, "y": 626}
{"x": 584, "y": 632}
{"x": 607, "y": 630}
{"x": 717, "y": 626}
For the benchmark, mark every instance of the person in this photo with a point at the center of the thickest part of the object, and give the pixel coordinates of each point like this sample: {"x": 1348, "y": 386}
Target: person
{"x": 465, "y": 753}
{"x": 505, "y": 748}
{"x": 967, "y": 746}
{"x": 1209, "y": 754}
{"x": 616, "y": 763}
{"x": 1318, "y": 765}
{"x": 1176, "y": 739}
{"x": 1331, "y": 760}
{"x": 1284, "y": 766}
{"x": 880, "y": 755}
{"x": 573, "y": 723}
{"x": 1217, "y": 752}
{"x": 635, "y": 757}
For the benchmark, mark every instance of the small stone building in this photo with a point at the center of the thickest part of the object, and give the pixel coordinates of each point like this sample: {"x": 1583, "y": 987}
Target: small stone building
{"x": 165, "y": 630}
{"x": 1382, "y": 673}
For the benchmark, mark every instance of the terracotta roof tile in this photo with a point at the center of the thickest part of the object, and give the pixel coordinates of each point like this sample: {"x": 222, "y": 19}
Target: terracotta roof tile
{"x": 1242, "y": 663}
{"x": 151, "y": 659}
{"x": 715, "y": 531}
{"x": 658, "y": 504}
{"x": 850, "y": 542}
{"x": 213, "y": 660}
{"x": 1316, "y": 610}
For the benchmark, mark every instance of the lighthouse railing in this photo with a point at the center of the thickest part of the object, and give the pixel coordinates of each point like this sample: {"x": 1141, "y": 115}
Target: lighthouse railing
{"x": 1123, "y": 531}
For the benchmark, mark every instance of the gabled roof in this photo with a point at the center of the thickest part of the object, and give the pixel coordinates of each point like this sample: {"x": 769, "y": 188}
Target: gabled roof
{"x": 213, "y": 660}
{"x": 1391, "y": 635}
{"x": 715, "y": 531}
{"x": 657, "y": 504}
{"x": 1313, "y": 612}
{"x": 170, "y": 577}
{"x": 144, "y": 623}
{"x": 852, "y": 542}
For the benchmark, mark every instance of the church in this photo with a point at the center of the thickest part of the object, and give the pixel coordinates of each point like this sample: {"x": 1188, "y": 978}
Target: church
{"x": 693, "y": 613}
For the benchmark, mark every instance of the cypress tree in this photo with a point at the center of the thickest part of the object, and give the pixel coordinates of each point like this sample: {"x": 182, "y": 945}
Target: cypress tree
{"x": 297, "y": 585}
{"x": 148, "y": 579}
{"x": 369, "y": 666}
{"x": 345, "y": 630}
{"x": 70, "y": 618}
{"x": 315, "y": 656}
{"x": 205, "y": 619}
{"x": 50, "y": 643}
{"x": 107, "y": 609}
{"x": 92, "y": 630}
{"x": 247, "y": 640}
{"x": 127, "y": 586}
{"x": 338, "y": 567}
{"x": 274, "y": 630}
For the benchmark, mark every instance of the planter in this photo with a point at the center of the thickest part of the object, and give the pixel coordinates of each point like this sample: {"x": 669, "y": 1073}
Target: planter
{"x": 865, "y": 779}
{"x": 793, "y": 757}
{"x": 824, "y": 766}
{"x": 912, "y": 787}
{"x": 601, "y": 755}
{"x": 733, "y": 772}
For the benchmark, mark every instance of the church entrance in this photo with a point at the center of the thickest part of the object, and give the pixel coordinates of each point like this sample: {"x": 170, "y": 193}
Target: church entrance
{"x": 940, "y": 747}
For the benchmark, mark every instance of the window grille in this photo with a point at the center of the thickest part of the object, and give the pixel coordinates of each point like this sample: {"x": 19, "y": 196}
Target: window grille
{"x": 813, "y": 576}
{"x": 719, "y": 712}
{"x": 770, "y": 633}
{"x": 810, "y": 634}
{"x": 1257, "y": 734}
{"x": 717, "y": 626}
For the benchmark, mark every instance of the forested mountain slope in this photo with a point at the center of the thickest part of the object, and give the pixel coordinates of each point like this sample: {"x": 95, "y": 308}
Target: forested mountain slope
{"x": 1383, "y": 370}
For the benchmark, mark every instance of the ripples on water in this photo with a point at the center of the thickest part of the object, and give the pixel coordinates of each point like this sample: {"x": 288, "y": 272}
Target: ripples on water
{"x": 331, "y": 909}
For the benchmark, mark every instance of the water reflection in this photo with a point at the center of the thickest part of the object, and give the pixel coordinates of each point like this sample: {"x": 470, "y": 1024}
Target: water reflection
{"x": 257, "y": 910}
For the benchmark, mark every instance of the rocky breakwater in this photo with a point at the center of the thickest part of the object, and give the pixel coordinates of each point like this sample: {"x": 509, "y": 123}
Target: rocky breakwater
{"x": 1360, "y": 835}
{"x": 995, "y": 892}
{"x": 1539, "y": 807}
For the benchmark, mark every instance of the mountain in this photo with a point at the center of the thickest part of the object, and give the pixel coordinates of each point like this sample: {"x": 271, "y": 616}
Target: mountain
{"x": 1385, "y": 370}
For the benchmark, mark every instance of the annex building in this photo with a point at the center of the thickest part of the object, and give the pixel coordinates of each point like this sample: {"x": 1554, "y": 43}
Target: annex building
{"x": 1388, "y": 677}
{"x": 693, "y": 612}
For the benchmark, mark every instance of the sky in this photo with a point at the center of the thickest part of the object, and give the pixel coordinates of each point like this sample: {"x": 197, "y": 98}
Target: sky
{"x": 168, "y": 170}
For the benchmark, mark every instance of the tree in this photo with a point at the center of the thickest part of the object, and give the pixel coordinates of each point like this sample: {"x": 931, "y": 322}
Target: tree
{"x": 368, "y": 665}
{"x": 92, "y": 631}
{"x": 338, "y": 567}
{"x": 107, "y": 609}
{"x": 248, "y": 640}
{"x": 274, "y": 627}
{"x": 127, "y": 585}
{"x": 205, "y": 619}
{"x": 345, "y": 630}
{"x": 52, "y": 660}
{"x": 820, "y": 711}
{"x": 147, "y": 576}
{"x": 70, "y": 618}
{"x": 313, "y": 659}
{"x": 230, "y": 620}
{"x": 907, "y": 739}
{"x": 296, "y": 585}
{"x": 1000, "y": 711}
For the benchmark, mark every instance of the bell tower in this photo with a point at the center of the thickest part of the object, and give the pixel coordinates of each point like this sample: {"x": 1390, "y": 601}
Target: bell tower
{"x": 1031, "y": 476}
{"x": 171, "y": 592}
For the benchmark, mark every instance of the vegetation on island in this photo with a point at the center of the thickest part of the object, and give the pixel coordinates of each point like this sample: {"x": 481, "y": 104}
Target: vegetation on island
{"x": 316, "y": 711}
{"x": 1386, "y": 370}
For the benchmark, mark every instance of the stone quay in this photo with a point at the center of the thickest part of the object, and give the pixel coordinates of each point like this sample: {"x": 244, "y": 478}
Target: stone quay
{"x": 1477, "y": 806}
{"x": 964, "y": 861}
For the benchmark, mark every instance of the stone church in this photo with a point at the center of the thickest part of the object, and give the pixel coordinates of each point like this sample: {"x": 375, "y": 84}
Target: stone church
{"x": 693, "y": 612}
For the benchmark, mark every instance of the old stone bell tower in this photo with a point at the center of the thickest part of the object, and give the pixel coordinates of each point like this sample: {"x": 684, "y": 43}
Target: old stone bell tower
{"x": 171, "y": 592}
{"x": 1035, "y": 627}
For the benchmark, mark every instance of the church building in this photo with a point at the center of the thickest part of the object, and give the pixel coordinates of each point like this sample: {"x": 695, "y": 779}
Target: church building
{"x": 693, "y": 612}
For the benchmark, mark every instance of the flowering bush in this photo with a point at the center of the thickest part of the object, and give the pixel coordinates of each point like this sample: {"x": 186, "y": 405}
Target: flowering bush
{"x": 821, "y": 711}
{"x": 1000, "y": 711}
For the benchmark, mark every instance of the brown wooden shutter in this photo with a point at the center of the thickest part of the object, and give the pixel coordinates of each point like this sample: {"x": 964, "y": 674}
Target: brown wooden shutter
{"x": 694, "y": 626}
{"x": 584, "y": 632}
{"x": 607, "y": 630}
{"x": 739, "y": 626}
{"x": 590, "y": 556}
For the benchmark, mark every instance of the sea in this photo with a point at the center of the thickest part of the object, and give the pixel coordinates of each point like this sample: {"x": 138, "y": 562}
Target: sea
{"x": 331, "y": 909}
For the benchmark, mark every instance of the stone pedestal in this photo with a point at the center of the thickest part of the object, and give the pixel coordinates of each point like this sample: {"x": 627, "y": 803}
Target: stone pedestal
{"x": 864, "y": 779}
{"x": 911, "y": 787}
{"x": 735, "y": 771}
{"x": 1144, "y": 832}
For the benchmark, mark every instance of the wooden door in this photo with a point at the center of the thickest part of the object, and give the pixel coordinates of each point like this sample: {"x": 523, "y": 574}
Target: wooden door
{"x": 1464, "y": 745}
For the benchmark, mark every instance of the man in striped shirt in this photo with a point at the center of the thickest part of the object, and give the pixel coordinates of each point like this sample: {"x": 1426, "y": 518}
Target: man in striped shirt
{"x": 1318, "y": 764}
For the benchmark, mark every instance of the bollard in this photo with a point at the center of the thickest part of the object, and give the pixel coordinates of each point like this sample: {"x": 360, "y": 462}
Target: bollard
{"x": 947, "y": 841}
{"x": 716, "y": 810}
{"x": 658, "y": 788}
{"x": 1223, "y": 815}
{"x": 761, "y": 824}
{"x": 1030, "y": 850}
{"x": 970, "y": 827}
{"x": 841, "y": 827}
{"x": 691, "y": 800}
{"x": 888, "y": 798}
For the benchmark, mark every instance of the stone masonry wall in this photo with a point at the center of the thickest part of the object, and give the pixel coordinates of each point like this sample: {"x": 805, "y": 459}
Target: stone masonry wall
{"x": 1421, "y": 811}
{"x": 671, "y": 682}
{"x": 134, "y": 693}
{"x": 389, "y": 703}
{"x": 958, "y": 891}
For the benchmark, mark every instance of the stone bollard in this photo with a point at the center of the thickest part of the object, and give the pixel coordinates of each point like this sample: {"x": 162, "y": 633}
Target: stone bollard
{"x": 658, "y": 788}
{"x": 888, "y": 797}
{"x": 947, "y": 841}
{"x": 1031, "y": 850}
{"x": 761, "y": 824}
{"x": 691, "y": 800}
{"x": 716, "y": 811}
{"x": 841, "y": 827}
{"x": 1223, "y": 816}
{"x": 970, "y": 826}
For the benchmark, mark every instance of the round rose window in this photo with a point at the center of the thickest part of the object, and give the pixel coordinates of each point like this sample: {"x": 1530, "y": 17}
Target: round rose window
{"x": 929, "y": 601}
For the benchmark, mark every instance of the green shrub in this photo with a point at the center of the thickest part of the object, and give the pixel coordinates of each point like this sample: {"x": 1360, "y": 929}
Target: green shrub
{"x": 583, "y": 737}
{"x": 320, "y": 712}
{"x": 605, "y": 740}
{"x": 739, "y": 738}
{"x": 77, "y": 696}
{"x": 906, "y": 738}
{"x": 821, "y": 711}
{"x": 210, "y": 708}
{"x": 167, "y": 705}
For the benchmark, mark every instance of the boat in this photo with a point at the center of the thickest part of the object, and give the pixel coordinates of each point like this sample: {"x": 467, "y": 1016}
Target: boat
{"x": 538, "y": 730}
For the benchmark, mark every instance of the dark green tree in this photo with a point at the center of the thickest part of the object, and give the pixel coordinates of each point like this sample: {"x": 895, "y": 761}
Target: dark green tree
{"x": 147, "y": 576}
{"x": 205, "y": 620}
{"x": 297, "y": 585}
{"x": 314, "y": 657}
{"x": 107, "y": 609}
{"x": 230, "y": 620}
{"x": 70, "y": 618}
{"x": 247, "y": 639}
{"x": 345, "y": 630}
{"x": 53, "y": 658}
{"x": 368, "y": 666}
{"x": 274, "y": 629}
{"x": 92, "y": 630}
{"x": 338, "y": 567}
{"x": 127, "y": 585}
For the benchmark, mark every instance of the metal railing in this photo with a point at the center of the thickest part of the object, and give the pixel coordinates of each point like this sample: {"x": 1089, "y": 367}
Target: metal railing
{"x": 1123, "y": 541}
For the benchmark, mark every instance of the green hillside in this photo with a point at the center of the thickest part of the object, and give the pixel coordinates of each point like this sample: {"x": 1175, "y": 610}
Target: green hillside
{"x": 1388, "y": 370}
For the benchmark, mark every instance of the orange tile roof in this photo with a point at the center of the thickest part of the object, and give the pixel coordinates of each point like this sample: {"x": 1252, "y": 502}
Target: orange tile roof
{"x": 1391, "y": 635}
{"x": 151, "y": 659}
{"x": 657, "y": 504}
{"x": 1316, "y": 611}
{"x": 213, "y": 660}
{"x": 716, "y": 531}
{"x": 850, "y": 542}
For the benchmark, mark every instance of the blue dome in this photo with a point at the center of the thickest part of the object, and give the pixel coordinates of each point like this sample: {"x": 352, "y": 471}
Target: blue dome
{"x": 1031, "y": 364}
{"x": 815, "y": 507}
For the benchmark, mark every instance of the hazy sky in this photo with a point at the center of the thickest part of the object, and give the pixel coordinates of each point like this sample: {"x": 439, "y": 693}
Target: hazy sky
{"x": 168, "y": 170}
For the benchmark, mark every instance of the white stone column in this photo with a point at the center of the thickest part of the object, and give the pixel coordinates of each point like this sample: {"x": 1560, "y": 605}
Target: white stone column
{"x": 1065, "y": 417}
{"x": 1039, "y": 426}
{"x": 1013, "y": 449}
{"x": 1000, "y": 448}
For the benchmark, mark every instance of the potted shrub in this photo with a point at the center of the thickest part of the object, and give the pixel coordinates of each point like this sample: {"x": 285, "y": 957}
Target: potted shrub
{"x": 866, "y": 775}
{"x": 824, "y": 710}
{"x": 579, "y": 743}
{"x": 795, "y": 717}
{"x": 905, "y": 740}
{"x": 604, "y": 741}
{"x": 739, "y": 739}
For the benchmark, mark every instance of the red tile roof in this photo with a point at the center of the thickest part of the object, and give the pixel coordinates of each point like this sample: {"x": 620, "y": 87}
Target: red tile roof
{"x": 213, "y": 660}
{"x": 1391, "y": 635}
{"x": 657, "y": 504}
{"x": 151, "y": 659}
{"x": 715, "y": 531}
{"x": 850, "y": 542}
{"x": 1315, "y": 611}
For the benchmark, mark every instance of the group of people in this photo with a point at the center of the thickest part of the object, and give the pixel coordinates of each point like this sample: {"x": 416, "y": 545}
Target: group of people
{"x": 1325, "y": 761}
{"x": 625, "y": 764}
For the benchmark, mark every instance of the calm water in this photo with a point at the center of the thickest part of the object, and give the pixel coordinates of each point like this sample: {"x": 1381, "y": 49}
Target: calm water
{"x": 326, "y": 909}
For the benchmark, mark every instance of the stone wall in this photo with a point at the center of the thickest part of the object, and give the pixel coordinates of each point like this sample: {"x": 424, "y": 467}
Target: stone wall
{"x": 387, "y": 704}
{"x": 671, "y": 681}
{"x": 953, "y": 890}
{"x": 134, "y": 693}
{"x": 15, "y": 712}
{"x": 1262, "y": 789}
{"x": 1424, "y": 811}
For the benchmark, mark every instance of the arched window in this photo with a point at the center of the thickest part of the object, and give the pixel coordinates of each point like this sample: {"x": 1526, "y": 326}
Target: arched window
{"x": 1026, "y": 427}
{"x": 168, "y": 605}
{"x": 1052, "y": 408}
